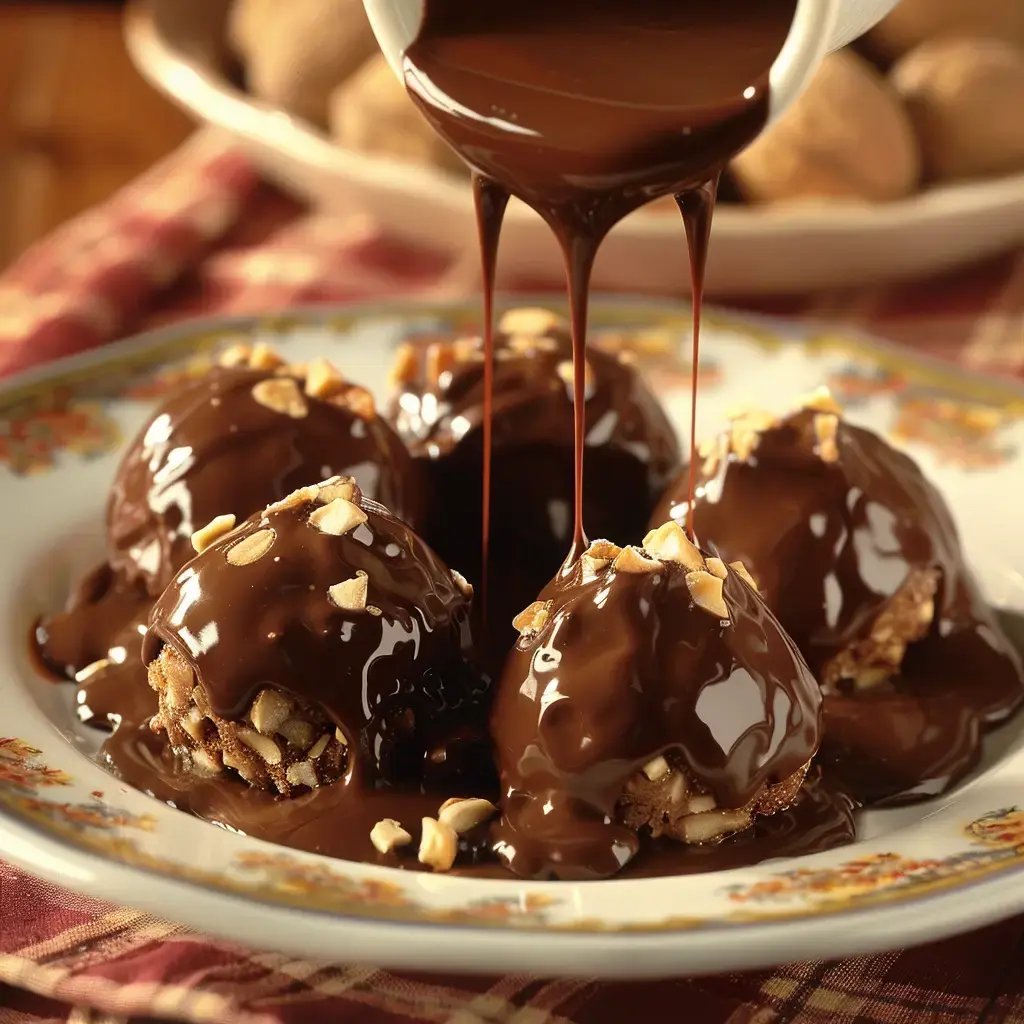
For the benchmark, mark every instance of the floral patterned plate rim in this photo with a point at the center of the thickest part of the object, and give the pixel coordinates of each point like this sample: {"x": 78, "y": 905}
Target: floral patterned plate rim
{"x": 935, "y": 868}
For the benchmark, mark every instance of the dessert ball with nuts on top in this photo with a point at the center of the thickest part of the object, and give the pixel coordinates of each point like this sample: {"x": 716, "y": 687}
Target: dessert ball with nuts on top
{"x": 651, "y": 691}
{"x": 245, "y": 435}
{"x": 857, "y": 554}
{"x": 319, "y": 640}
{"x": 631, "y": 450}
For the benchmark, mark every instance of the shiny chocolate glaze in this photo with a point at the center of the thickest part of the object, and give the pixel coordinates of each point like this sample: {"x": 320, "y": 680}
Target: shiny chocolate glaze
{"x": 829, "y": 544}
{"x": 624, "y": 668}
{"x": 394, "y": 677}
{"x": 212, "y": 449}
{"x": 631, "y": 454}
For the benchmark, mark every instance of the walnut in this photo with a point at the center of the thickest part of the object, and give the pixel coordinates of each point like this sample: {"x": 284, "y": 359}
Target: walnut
{"x": 965, "y": 98}
{"x": 846, "y": 137}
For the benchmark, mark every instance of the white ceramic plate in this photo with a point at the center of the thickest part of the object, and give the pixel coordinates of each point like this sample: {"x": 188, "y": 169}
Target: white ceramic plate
{"x": 916, "y": 873}
{"x": 178, "y": 45}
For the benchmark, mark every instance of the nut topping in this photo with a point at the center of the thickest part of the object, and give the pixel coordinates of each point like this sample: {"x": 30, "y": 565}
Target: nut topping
{"x": 741, "y": 570}
{"x": 269, "y": 710}
{"x": 463, "y": 814}
{"x": 281, "y": 394}
{"x": 565, "y": 372}
{"x": 657, "y": 768}
{"x": 350, "y": 595}
{"x": 530, "y": 320}
{"x": 337, "y": 517}
{"x": 302, "y": 773}
{"x": 343, "y": 487}
{"x": 463, "y": 585}
{"x": 298, "y": 732}
{"x": 438, "y": 845}
{"x": 821, "y": 400}
{"x": 717, "y": 568}
{"x": 531, "y": 620}
{"x": 340, "y": 737}
{"x": 319, "y": 747}
{"x": 631, "y": 559}
{"x": 303, "y": 496}
{"x": 252, "y": 548}
{"x": 387, "y": 834}
{"x": 213, "y": 530}
{"x": 235, "y": 355}
{"x": 601, "y": 552}
{"x": 263, "y": 357}
{"x": 403, "y": 369}
{"x": 261, "y": 745}
{"x": 358, "y": 401}
{"x": 826, "y": 427}
{"x": 706, "y": 591}
{"x": 322, "y": 379}
{"x": 669, "y": 543}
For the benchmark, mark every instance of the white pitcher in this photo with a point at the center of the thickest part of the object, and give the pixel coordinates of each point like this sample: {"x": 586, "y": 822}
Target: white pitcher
{"x": 819, "y": 27}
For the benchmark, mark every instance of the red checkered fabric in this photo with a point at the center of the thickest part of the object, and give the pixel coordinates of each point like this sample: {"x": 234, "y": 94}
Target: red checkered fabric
{"x": 201, "y": 233}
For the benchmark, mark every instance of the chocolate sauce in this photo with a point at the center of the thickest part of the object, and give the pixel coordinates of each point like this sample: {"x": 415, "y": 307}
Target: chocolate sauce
{"x": 831, "y": 545}
{"x": 625, "y": 667}
{"x": 440, "y": 411}
{"x": 213, "y": 449}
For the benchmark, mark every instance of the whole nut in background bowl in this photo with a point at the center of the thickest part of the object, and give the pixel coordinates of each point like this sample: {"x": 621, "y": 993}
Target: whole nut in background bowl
{"x": 371, "y": 113}
{"x": 965, "y": 98}
{"x": 916, "y": 21}
{"x": 297, "y": 51}
{"x": 846, "y": 137}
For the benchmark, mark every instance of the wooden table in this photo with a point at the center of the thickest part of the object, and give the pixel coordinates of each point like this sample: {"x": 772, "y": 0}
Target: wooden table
{"x": 76, "y": 120}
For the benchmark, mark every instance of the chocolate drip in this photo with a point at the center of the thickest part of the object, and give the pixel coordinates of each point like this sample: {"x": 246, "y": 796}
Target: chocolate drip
{"x": 626, "y": 667}
{"x": 213, "y": 449}
{"x": 831, "y": 545}
{"x": 394, "y": 676}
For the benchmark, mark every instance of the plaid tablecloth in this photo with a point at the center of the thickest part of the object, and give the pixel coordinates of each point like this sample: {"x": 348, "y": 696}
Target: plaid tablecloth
{"x": 201, "y": 233}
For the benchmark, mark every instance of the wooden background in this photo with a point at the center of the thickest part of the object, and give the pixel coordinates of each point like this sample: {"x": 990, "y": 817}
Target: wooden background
{"x": 76, "y": 120}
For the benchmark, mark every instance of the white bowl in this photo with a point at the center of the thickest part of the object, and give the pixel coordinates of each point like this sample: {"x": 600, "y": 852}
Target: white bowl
{"x": 178, "y": 45}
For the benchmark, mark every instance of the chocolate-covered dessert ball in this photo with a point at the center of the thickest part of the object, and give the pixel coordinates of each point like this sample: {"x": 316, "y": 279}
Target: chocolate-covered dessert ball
{"x": 245, "y": 435}
{"x": 319, "y": 640}
{"x": 631, "y": 449}
{"x": 857, "y": 554}
{"x": 651, "y": 691}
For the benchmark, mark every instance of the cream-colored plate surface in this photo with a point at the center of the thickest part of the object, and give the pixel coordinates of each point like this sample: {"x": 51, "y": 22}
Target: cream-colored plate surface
{"x": 178, "y": 45}
{"x": 915, "y": 873}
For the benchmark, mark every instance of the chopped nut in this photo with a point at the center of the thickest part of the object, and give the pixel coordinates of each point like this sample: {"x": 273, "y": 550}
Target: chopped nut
{"x": 438, "y": 845}
{"x": 319, "y": 747}
{"x": 205, "y": 762}
{"x": 358, "y": 401}
{"x": 669, "y": 543}
{"x": 296, "y": 370}
{"x": 372, "y": 609}
{"x": 592, "y": 566}
{"x": 337, "y": 517}
{"x": 235, "y": 355}
{"x": 200, "y": 699}
{"x": 463, "y": 814}
{"x": 177, "y": 678}
{"x": 468, "y": 350}
{"x": 657, "y": 768}
{"x": 269, "y": 710}
{"x": 826, "y": 427}
{"x": 566, "y": 373}
{"x": 701, "y": 828}
{"x": 741, "y": 570}
{"x": 343, "y": 487}
{"x": 678, "y": 790}
{"x": 821, "y": 400}
{"x": 281, "y": 394}
{"x": 252, "y": 548}
{"x": 440, "y": 358}
{"x": 350, "y": 595}
{"x": 323, "y": 379}
{"x": 302, "y": 773}
{"x": 700, "y": 803}
{"x": 403, "y": 369}
{"x": 387, "y": 834}
{"x": 717, "y": 568}
{"x": 530, "y": 320}
{"x": 631, "y": 559}
{"x": 84, "y": 674}
{"x": 524, "y": 344}
{"x": 463, "y": 585}
{"x": 340, "y": 737}
{"x": 263, "y": 357}
{"x": 298, "y": 732}
{"x": 261, "y": 745}
{"x": 192, "y": 723}
{"x": 303, "y": 496}
{"x": 213, "y": 530}
{"x": 706, "y": 591}
{"x": 603, "y": 551}
{"x": 531, "y": 620}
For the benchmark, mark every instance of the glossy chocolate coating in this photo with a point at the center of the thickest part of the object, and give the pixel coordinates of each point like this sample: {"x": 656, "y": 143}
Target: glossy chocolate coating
{"x": 627, "y": 667}
{"x": 631, "y": 453}
{"x": 212, "y": 449}
{"x": 394, "y": 677}
{"x": 829, "y": 544}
